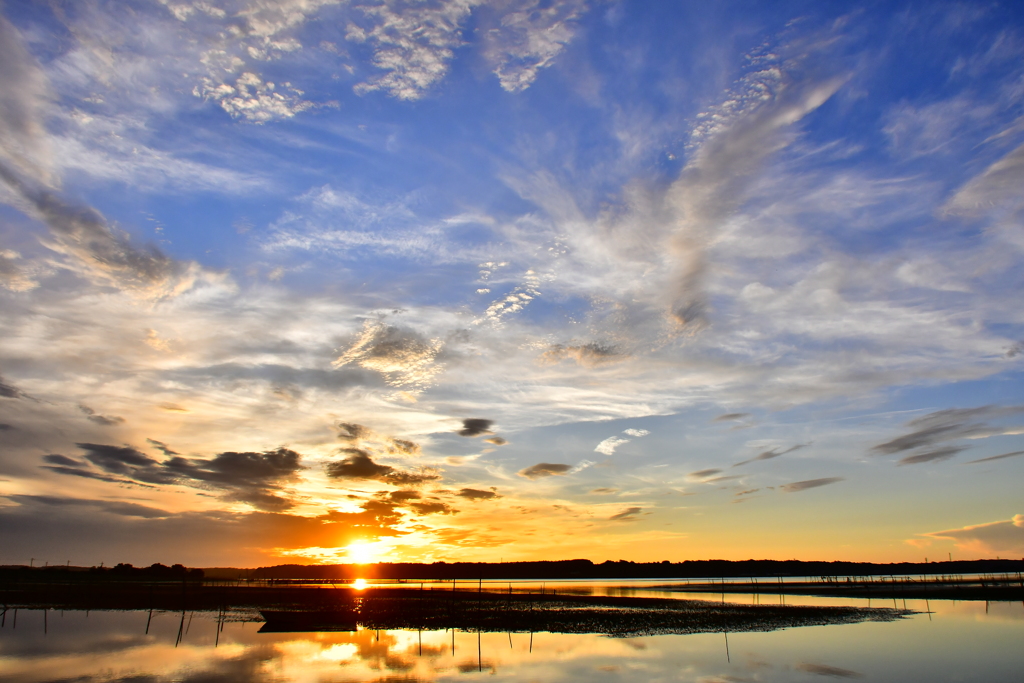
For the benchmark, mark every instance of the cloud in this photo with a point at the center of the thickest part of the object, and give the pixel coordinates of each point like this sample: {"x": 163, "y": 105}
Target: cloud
{"x": 359, "y": 465}
{"x": 521, "y": 37}
{"x": 544, "y": 469}
{"x": 194, "y": 538}
{"x": 412, "y": 43}
{"x": 102, "y": 420}
{"x": 24, "y": 95}
{"x": 362, "y": 436}
{"x": 730, "y": 417}
{"x": 433, "y": 508}
{"x": 58, "y": 459}
{"x": 930, "y": 432}
{"x": 253, "y": 99}
{"x": 826, "y": 670}
{"x": 636, "y": 432}
{"x": 126, "y": 461}
{"x": 477, "y": 494}
{"x": 608, "y": 446}
{"x": 586, "y": 355}
{"x": 162, "y": 447}
{"x": 733, "y": 141}
{"x": 1005, "y": 537}
{"x": 937, "y": 455}
{"x": 703, "y": 474}
{"x": 809, "y": 484}
{"x": 9, "y": 390}
{"x": 100, "y": 253}
{"x": 628, "y": 513}
{"x": 496, "y": 440}
{"x": 402, "y": 356}
{"x": 253, "y": 478}
{"x": 475, "y": 426}
{"x": 1014, "y": 454}
{"x": 604, "y": 491}
{"x": 13, "y": 275}
{"x": 773, "y": 453}
{"x": 120, "y": 508}
{"x": 997, "y": 187}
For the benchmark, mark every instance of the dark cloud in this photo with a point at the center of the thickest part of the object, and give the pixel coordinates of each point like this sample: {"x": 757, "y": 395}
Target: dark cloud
{"x": 628, "y": 513}
{"x": 127, "y": 462}
{"x": 729, "y": 417}
{"x": 544, "y": 469}
{"x": 400, "y": 496}
{"x": 102, "y": 420}
{"x": 162, "y": 447}
{"x": 604, "y": 491}
{"x": 4, "y": 427}
{"x": 477, "y": 494}
{"x": 826, "y": 670}
{"x": 475, "y": 426}
{"x": 253, "y": 478}
{"x": 90, "y": 474}
{"x": 704, "y": 474}
{"x": 1014, "y": 454}
{"x": 809, "y": 484}
{"x": 774, "y": 453}
{"x": 404, "y": 478}
{"x": 434, "y": 507}
{"x": 358, "y": 464}
{"x": 404, "y": 447}
{"x": 937, "y": 455}
{"x": 362, "y": 436}
{"x": 58, "y": 459}
{"x": 353, "y": 432}
{"x": 946, "y": 425}
{"x": 9, "y": 391}
{"x": 496, "y": 440}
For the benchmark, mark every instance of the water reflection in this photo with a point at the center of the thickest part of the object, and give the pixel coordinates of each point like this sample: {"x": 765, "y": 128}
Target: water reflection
{"x": 962, "y": 642}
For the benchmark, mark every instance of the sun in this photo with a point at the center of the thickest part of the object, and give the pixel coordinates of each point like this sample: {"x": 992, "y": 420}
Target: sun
{"x": 360, "y": 553}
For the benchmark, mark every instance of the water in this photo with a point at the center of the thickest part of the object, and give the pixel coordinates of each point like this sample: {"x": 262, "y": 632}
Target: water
{"x": 946, "y": 641}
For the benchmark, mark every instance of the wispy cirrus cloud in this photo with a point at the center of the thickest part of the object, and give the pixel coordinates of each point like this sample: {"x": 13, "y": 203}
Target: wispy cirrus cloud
{"x": 521, "y": 37}
{"x": 931, "y": 434}
{"x": 797, "y": 486}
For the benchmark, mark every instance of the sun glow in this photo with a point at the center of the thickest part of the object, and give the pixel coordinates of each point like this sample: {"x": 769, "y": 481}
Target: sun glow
{"x": 359, "y": 584}
{"x": 360, "y": 553}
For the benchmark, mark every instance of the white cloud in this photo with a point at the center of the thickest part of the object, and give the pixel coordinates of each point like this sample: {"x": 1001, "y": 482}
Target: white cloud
{"x": 413, "y": 43}
{"x": 253, "y": 99}
{"x": 636, "y": 432}
{"x": 608, "y": 446}
{"x": 523, "y": 37}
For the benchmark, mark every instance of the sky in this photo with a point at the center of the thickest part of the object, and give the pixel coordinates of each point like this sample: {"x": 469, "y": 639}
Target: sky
{"x": 306, "y": 281}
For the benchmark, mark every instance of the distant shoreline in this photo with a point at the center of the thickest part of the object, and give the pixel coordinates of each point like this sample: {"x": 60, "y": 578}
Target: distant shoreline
{"x": 541, "y": 570}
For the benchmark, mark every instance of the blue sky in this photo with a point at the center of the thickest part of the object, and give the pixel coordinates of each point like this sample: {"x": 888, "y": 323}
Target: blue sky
{"x": 311, "y": 279}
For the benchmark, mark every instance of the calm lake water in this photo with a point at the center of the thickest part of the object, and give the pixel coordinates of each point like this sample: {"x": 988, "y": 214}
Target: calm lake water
{"x": 947, "y": 641}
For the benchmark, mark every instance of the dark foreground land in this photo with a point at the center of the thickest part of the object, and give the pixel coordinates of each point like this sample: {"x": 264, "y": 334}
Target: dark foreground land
{"x": 318, "y": 608}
